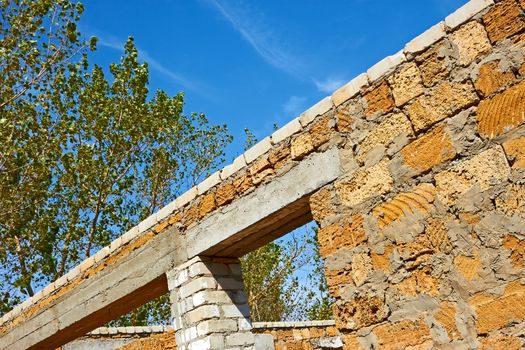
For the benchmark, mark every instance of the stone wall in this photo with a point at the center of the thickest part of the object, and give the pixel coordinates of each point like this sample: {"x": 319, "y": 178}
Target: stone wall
{"x": 424, "y": 236}
{"x": 309, "y": 335}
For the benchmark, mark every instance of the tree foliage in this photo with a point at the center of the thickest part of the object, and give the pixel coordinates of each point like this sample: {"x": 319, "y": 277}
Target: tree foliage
{"x": 284, "y": 280}
{"x": 87, "y": 151}
{"x": 84, "y": 153}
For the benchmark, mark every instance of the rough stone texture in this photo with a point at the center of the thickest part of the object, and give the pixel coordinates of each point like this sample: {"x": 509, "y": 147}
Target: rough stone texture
{"x": 393, "y": 126}
{"x": 421, "y": 220}
{"x": 502, "y": 112}
{"x": 472, "y": 42}
{"x": 491, "y": 78}
{"x": 153, "y": 342}
{"x": 429, "y": 150}
{"x": 406, "y": 84}
{"x": 495, "y": 312}
{"x": 445, "y": 100}
{"x": 435, "y": 63}
{"x": 379, "y": 99}
{"x": 503, "y": 20}
{"x": 420, "y": 199}
{"x": 481, "y": 171}
{"x": 366, "y": 184}
{"x": 515, "y": 150}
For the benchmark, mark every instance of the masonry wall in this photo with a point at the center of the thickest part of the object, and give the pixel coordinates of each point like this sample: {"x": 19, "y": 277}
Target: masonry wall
{"x": 415, "y": 174}
{"x": 424, "y": 235}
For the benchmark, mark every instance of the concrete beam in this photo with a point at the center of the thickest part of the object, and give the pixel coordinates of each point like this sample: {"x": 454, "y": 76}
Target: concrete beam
{"x": 267, "y": 213}
{"x": 114, "y": 291}
{"x": 247, "y": 223}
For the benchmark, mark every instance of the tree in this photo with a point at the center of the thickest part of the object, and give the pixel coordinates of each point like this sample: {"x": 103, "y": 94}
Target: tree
{"x": 86, "y": 152}
{"x": 285, "y": 280}
{"x": 82, "y": 157}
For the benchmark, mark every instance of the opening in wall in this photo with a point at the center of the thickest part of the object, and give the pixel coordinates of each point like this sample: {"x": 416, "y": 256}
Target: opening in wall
{"x": 284, "y": 280}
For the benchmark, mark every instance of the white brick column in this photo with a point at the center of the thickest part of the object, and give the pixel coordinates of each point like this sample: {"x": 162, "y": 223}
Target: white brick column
{"x": 209, "y": 306}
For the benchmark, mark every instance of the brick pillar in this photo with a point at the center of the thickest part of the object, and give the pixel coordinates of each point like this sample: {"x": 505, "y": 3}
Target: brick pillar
{"x": 209, "y": 306}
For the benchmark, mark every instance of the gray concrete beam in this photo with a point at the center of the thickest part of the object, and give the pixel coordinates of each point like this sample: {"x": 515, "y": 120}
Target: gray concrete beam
{"x": 278, "y": 201}
{"x": 116, "y": 290}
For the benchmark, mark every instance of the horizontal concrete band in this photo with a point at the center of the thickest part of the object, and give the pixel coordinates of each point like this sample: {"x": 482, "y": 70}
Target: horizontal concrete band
{"x": 163, "y": 328}
{"x": 294, "y": 324}
{"x": 116, "y": 290}
{"x": 140, "y": 277}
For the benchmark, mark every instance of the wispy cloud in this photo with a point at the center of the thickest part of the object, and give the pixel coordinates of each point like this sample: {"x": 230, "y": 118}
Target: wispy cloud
{"x": 250, "y": 25}
{"x": 267, "y": 43}
{"x": 115, "y": 43}
{"x": 294, "y": 105}
{"x": 329, "y": 85}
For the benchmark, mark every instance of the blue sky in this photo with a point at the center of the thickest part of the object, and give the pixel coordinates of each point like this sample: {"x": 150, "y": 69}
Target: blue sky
{"x": 255, "y": 63}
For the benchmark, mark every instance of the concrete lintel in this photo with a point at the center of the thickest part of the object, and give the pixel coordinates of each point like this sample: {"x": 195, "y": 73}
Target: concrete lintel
{"x": 226, "y": 227}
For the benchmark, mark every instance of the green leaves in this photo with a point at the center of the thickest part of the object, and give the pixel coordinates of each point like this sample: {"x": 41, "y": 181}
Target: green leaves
{"x": 83, "y": 157}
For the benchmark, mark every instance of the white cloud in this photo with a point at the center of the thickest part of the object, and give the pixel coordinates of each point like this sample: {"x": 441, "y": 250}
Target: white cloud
{"x": 262, "y": 39}
{"x": 294, "y": 106}
{"x": 329, "y": 85}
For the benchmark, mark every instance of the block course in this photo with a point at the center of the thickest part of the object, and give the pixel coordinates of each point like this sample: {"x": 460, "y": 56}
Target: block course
{"x": 423, "y": 237}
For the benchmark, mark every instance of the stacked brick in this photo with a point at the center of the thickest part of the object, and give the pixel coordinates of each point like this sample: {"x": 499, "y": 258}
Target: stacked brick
{"x": 424, "y": 236}
{"x": 209, "y": 305}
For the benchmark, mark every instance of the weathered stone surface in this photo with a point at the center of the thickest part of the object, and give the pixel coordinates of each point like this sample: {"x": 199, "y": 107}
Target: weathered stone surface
{"x": 445, "y": 100}
{"x": 515, "y": 150}
{"x": 493, "y": 313}
{"x": 359, "y": 312}
{"x": 406, "y": 84}
{"x": 242, "y": 183}
{"x": 279, "y": 156}
{"x": 483, "y": 170}
{"x": 503, "y": 20}
{"x": 207, "y": 205}
{"x": 517, "y": 248}
{"x": 302, "y": 145}
{"x": 468, "y": 265}
{"x": 472, "y": 42}
{"x": 379, "y": 99}
{"x": 402, "y": 335}
{"x": 502, "y": 112}
{"x": 260, "y": 169}
{"x": 366, "y": 184}
{"x": 446, "y": 316}
{"x": 225, "y": 194}
{"x": 512, "y": 201}
{"x": 393, "y": 126}
{"x": 434, "y": 64}
{"x": 321, "y": 131}
{"x": 491, "y": 78}
{"x": 321, "y": 204}
{"x": 501, "y": 342}
{"x": 420, "y": 200}
{"x": 429, "y": 150}
{"x": 338, "y": 236}
{"x": 418, "y": 282}
{"x": 361, "y": 268}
